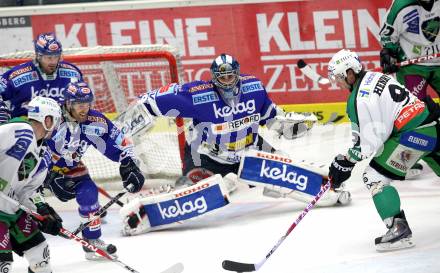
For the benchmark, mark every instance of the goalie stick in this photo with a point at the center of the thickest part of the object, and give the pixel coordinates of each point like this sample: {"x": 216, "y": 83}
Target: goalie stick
{"x": 246, "y": 267}
{"x": 314, "y": 76}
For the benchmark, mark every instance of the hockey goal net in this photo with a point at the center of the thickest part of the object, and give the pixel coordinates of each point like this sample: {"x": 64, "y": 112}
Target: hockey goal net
{"x": 117, "y": 75}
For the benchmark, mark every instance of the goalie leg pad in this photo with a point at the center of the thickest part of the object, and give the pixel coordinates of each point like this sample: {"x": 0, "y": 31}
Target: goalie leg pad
{"x": 167, "y": 210}
{"x": 283, "y": 178}
{"x": 263, "y": 169}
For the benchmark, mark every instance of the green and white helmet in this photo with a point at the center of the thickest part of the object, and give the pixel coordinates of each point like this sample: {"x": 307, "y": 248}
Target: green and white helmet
{"x": 342, "y": 61}
{"x": 41, "y": 107}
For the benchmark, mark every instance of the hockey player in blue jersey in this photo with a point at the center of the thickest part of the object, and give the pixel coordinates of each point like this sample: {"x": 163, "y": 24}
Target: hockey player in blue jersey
{"x": 69, "y": 177}
{"x": 226, "y": 114}
{"x": 46, "y": 75}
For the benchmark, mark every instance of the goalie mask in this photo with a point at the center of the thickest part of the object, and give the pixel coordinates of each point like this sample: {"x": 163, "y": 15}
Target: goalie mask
{"x": 78, "y": 98}
{"x": 225, "y": 72}
{"x": 47, "y": 52}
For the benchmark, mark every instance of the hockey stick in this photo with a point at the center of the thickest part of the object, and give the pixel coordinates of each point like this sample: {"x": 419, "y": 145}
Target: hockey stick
{"x": 102, "y": 191}
{"x": 313, "y": 75}
{"x": 97, "y": 214}
{"x": 69, "y": 235}
{"x": 245, "y": 267}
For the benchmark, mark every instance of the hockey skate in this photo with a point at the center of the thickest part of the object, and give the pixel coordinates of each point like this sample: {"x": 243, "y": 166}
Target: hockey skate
{"x": 93, "y": 256}
{"x": 397, "y": 237}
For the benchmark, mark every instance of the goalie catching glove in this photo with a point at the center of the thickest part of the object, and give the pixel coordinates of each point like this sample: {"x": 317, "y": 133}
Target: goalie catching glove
{"x": 292, "y": 125}
{"x": 131, "y": 175}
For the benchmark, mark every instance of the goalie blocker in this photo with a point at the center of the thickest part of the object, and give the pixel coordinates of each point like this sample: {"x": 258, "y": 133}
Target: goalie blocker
{"x": 281, "y": 177}
{"x": 144, "y": 214}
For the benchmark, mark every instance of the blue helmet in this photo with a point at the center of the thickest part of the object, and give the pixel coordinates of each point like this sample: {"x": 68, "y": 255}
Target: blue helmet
{"x": 224, "y": 66}
{"x": 78, "y": 92}
{"x": 47, "y": 44}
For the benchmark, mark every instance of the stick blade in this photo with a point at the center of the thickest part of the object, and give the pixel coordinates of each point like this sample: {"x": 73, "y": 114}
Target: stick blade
{"x": 301, "y": 63}
{"x": 310, "y": 73}
{"x": 237, "y": 267}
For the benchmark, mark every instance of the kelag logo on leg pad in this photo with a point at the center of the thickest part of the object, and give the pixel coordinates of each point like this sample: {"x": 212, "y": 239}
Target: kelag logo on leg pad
{"x": 268, "y": 169}
{"x": 180, "y": 209}
{"x": 282, "y": 174}
{"x": 192, "y": 202}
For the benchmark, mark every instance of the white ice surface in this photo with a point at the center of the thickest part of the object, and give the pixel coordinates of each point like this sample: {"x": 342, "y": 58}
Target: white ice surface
{"x": 328, "y": 240}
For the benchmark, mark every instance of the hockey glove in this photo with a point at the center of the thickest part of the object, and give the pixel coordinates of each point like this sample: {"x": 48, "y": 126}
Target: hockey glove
{"x": 340, "y": 170}
{"x": 388, "y": 61}
{"x": 131, "y": 175}
{"x": 52, "y": 222}
{"x": 5, "y": 114}
{"x": 60, "y": 185}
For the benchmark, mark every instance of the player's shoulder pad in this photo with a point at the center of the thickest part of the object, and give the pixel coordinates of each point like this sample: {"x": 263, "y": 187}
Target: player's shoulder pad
{"x": 67, "y": 65}
{"x": 372, "y": 81}
{"x": 19, "y": 70}
{"x": 397, "y": 7}
{"x": 68, "y": 70}
{"x": 24, "y": 137}
{"x": 97, "y": 117}
{"x": 20, "y": 123}
{"x": 197, "y": 86}
{"x": 250, "y": 84}
{"x": 96, "y": 125}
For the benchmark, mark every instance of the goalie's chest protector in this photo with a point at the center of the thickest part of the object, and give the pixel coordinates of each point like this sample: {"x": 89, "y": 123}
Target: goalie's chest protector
{"x": 227, "y": 124}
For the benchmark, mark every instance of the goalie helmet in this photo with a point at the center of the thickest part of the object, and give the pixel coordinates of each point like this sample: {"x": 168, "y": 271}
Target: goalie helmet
{"x": 225, "y": 72}
{"x": 42, "y": 107}
{"x": 47, "y": 44}
{"x": 342, "y": 61}
{"x": 78, "y": 92}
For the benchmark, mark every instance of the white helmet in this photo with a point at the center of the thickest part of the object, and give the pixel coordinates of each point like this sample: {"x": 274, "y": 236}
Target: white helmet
{"x": 42, "y": 107}
{"x": 341, "y": 62}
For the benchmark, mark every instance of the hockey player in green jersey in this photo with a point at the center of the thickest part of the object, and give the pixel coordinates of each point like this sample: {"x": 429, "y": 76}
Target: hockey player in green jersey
{"x": 24, "y": 159}
{"x": 411, "y": 29}
{"x": 392, "y": 126}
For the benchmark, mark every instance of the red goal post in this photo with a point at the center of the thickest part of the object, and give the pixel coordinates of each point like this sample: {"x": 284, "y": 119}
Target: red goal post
{"x": 117, "y": 75}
